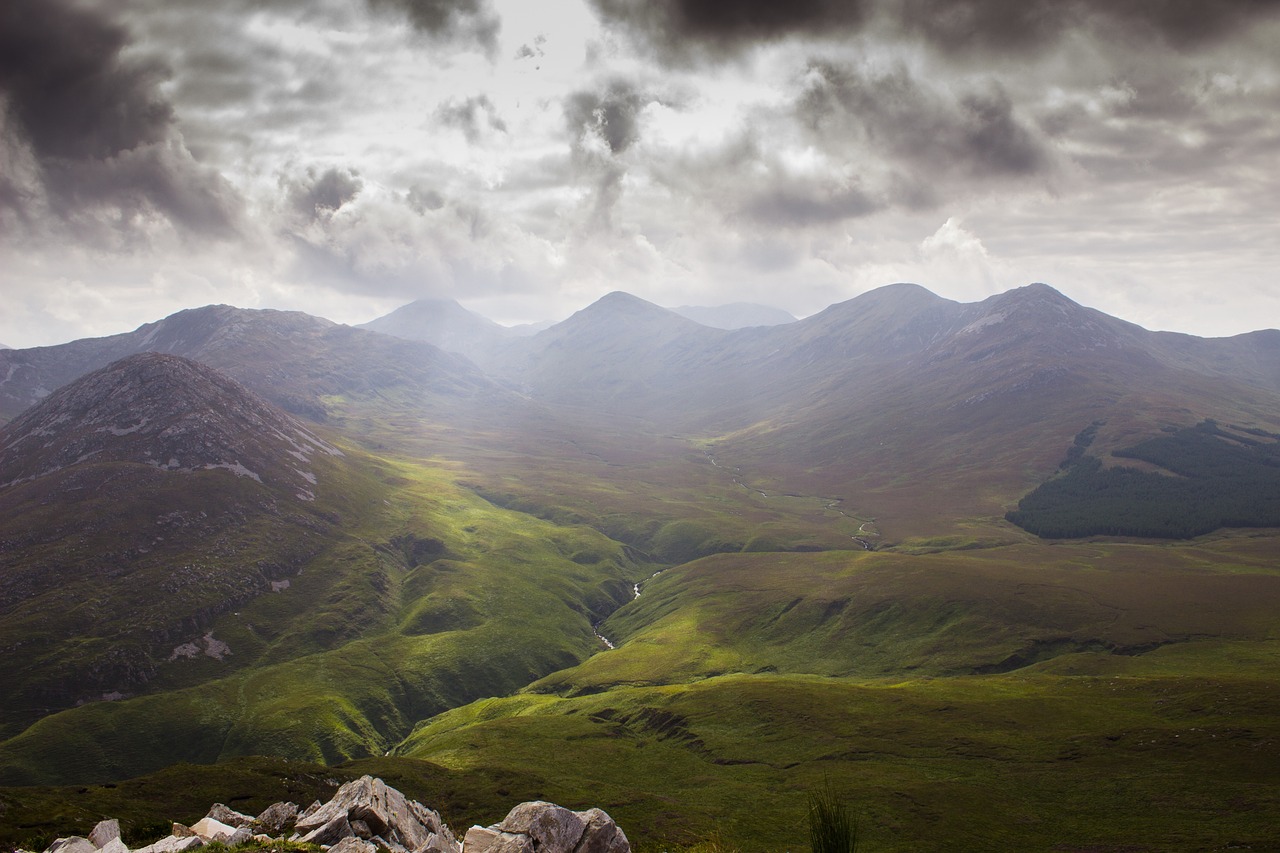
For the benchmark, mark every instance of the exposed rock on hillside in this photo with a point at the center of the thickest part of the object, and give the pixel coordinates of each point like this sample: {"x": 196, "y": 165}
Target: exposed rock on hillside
{"x": 165, "y": 411}
{"x": 367, "y": 815}
{"x": 146, "y": 488}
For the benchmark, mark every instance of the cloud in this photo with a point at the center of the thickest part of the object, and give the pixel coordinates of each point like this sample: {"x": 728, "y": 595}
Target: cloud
{"x": 474, "y": 116}
{"x": 692, "y": 29}
{"x": 685, "y": 30}
{"x": 456, "y": 20}
{"x": 982, "y": 27}
{"x": 602, "y": 127}
{"x": 932, "y": 131}
{"x": 319, "y": 194}
{"x": 94, "y": 141}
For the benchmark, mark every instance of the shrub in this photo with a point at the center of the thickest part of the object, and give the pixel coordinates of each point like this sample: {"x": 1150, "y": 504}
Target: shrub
{"x": 832, "y": 827}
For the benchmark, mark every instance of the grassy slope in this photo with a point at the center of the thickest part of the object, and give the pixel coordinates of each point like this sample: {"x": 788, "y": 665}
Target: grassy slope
{"x": 715, "y": 712}
{"x": 361, "y": 645}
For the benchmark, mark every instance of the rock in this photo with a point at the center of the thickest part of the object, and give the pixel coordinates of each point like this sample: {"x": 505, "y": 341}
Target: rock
{"x": 361, "y": 829}
{"x": 276, "y": 817}
{"x": 242, "y": 835}
{"x": 173, "y": 844}
{"x": 105, "y": 831}
{"x": 554, "y": 829}
{"x": 402, "y": 823}
{"x": 310, "y": 810}
{"x": 213, "y": 830}
{"x": 229, "y": 816}
{"x": 353, "y": 845}
{"x": 601, "y": 835}
{"x": 115, "y": 845}
{"x": 441, "y": 844}
{"x": 329, "y": 833}
{"x": 492, "y": 840}
{"x": 72, "y": 844}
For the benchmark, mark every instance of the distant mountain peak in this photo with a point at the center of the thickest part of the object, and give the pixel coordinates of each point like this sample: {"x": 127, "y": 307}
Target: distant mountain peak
{"x": 165, "y": 411}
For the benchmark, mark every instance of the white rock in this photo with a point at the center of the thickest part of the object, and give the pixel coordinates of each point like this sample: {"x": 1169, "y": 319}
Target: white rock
{"x": 105, "y": 832}
{"x": 213, "y": 830}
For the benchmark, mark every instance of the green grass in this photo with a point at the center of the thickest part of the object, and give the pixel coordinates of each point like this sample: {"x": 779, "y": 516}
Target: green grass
{"x": 360, "y": 646}
{"x": 979, "y": 763}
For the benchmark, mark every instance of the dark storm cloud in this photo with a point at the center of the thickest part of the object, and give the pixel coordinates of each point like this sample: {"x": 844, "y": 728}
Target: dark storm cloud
{"x": 975, "y": 133}
{"x": 797, "y": 205}
{"x": 94, "y": 123}
{"x": 465, "y": 19}
{"x": 318, "y": 195}
{"x": 473, "y": 116}
{"x": 688, "y": 28}
{"x": 610, "y": 117}
{"x": 680, "y": 28}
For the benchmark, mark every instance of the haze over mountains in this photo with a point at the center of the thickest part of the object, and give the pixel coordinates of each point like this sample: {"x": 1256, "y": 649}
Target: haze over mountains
{"x": 616, "y": 530}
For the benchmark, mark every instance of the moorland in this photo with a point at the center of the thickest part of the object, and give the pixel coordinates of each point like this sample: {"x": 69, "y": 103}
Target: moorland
{"x": 1005, "y": 574}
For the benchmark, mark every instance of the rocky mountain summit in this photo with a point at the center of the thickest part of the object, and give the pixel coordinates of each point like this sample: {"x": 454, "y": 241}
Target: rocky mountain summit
{"x": 166, "y": 411}
{"x": 367, "y": 815}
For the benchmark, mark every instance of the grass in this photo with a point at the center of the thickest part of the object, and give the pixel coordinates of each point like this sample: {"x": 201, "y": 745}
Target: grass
{"x": 966, "y": 687}
{"x": 832, "y": 825}
{"x": 360, "y": 646}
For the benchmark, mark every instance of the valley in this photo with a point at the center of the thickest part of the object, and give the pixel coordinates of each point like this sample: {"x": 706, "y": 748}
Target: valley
{"x": 680, "y": 572}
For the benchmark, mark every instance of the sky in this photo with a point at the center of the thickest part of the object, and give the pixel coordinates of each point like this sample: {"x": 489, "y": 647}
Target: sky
{"x": 345, "y": 157}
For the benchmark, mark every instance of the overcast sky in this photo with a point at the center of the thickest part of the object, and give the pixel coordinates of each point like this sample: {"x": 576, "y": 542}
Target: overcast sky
{"x": 345, "y": 157}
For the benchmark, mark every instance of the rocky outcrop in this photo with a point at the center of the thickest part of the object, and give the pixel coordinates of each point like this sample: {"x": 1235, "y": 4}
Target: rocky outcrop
{"x": 540, "y": 827}
{"x": 367, "y": 816}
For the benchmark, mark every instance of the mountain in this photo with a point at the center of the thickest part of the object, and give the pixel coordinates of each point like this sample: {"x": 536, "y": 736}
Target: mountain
{"x": 304, "y": 364}
{"x": 444, "y": 323}
{"x": 737, "y": 315}
{"x": 172, "y": 541}
{"x": 165, "y": 411}
{"x": 978, "y": 401}
{"x": 620, "y": 353}
{"x": 693, "y": 574}
{"x": 136, "y": 505}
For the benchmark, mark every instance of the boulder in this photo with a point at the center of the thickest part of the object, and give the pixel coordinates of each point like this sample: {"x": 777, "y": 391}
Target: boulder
{"x": 554, "y": 829}
{"x": 104, "y": 832}
{"x": 181, "y": 830}
{"x": 310, "y": 810}
{"x": 275, "y": 818}
{"x": 601, "y": 835}
{"x": 173, "y": 844}
{"x": 213, "y": 830}
{"x": 548, "y": 828}
{"x": 437, "y": 843}
{"x": 404, "y": 824}
{"x": 353, "y": 845}
{"x": 331, "y": 832}
{"x": 115, "y": 845}
{"x": 480, "y": 839}
{"x": 229, "y": 816}
{"x": 72, "y": 844}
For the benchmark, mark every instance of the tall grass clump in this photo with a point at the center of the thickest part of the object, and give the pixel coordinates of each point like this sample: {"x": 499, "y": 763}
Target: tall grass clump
{"x": 832, "y": 827}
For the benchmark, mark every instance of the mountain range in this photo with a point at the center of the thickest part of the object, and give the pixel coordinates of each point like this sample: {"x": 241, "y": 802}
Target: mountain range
{"x": 744, "y": 557}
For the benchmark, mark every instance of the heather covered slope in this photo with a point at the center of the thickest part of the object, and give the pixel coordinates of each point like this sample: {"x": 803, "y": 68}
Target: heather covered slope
{"x": 171, "y": 537}
{"x": 841, "y": 595}
{"x": 961, "y": 701}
